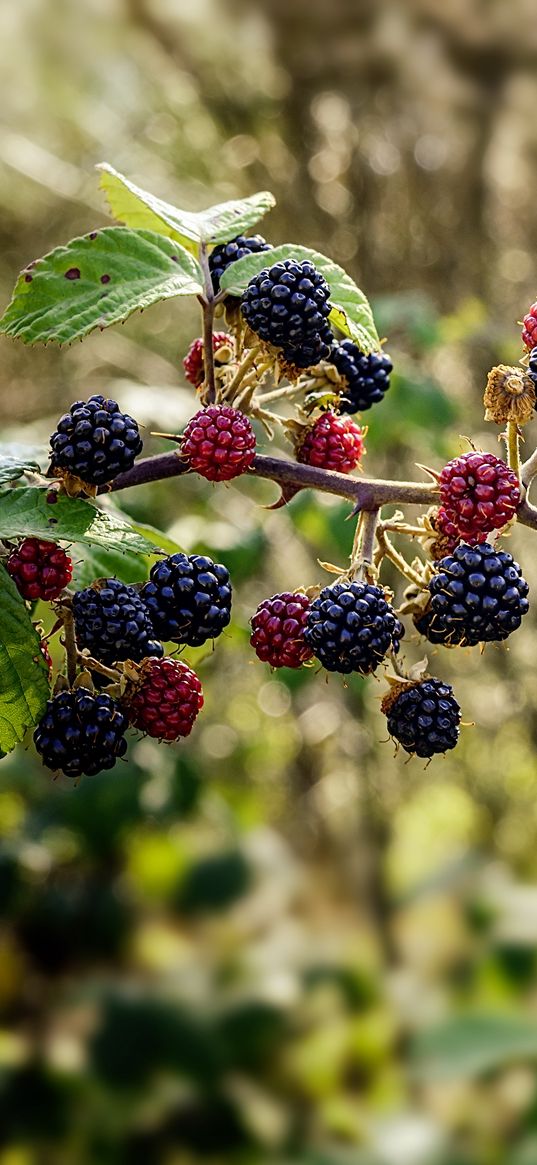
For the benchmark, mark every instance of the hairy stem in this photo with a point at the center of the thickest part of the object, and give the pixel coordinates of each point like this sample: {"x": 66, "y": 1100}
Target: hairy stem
{"x": 207, "y": 304}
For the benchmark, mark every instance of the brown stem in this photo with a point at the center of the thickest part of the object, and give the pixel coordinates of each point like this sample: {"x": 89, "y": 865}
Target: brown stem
{"x": 69, "y": 642}
{"x": 366, "y": 493}
{"x": 207, "y": 304}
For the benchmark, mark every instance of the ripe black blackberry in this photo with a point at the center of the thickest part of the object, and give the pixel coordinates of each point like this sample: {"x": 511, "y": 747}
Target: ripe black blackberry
{"x": 81, "y": 733}
{"x": 188, "y": 598}
{"x": 366, "y": 378}
{"x": 226, "y": 253}
{"x": 477, "y": 596}
{"x": 351, "y": 627}
{"x": 424, "y": 717}
{"x": 288, "y": 305}
{"x": 113, "y": 623}
{"x": 95, "y": 441}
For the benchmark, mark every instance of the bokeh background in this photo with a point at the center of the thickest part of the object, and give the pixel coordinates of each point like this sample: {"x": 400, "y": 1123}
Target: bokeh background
{"x": 278, "y": 943}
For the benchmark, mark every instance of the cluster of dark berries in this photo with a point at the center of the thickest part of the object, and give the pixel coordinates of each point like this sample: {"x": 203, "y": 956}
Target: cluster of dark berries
{"x": 287, "y": 305}
{"x": 366, "y": 378}
{"x": 477, "y": 595}
{"x": 95, "y": 442}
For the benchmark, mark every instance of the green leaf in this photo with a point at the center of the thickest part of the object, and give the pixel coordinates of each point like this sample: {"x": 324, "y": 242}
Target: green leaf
{"x": 24, "y": 687}
{"x": 218, "y": 224}
{"x": 13, "y": 467}
{"x": 469, "y": 1045}
{"x": 95, "y": 562}
{"x": 25, "y": 512}
{"x": 96, "y": 281}
{"x": 351, "y": 311}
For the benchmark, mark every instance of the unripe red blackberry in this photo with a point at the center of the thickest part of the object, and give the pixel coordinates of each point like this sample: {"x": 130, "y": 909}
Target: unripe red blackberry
{"x": 219, "y": 443}
{"x": 166, "y": 699}
{"x": 331, "y": 442}
{"x": 39, "y": 569}
{"x": 479, "y": 492}
{"x": 81, "y": 733}
{"x": 193, "y": 361}
{"x": 424, "y": 717}
{"x": 529, "y": 330}
{"x": 95, "y": 441}
{"x": 351, "y": 627}
{"x": 278, "y": 630}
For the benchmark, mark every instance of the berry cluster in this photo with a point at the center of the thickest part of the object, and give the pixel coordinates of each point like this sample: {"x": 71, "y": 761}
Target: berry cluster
{"x": 468, "y": 591}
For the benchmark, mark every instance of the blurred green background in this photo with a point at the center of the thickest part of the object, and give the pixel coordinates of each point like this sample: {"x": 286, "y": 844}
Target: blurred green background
{"x": 277, "y": 943}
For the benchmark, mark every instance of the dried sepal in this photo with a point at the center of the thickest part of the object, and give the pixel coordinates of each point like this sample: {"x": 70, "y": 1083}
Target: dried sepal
{"x": 509, "y": 395}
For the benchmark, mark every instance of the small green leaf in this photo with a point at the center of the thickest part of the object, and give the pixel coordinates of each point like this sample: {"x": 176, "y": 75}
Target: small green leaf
{"x": 96, "y": 281}
{"x": 95, "y": 562}
{"x": 469, "y": 1045}
{"x": 25, "y": 512}
{"x": 351, "y": 311}
{"x": 13, "y": 467}
{"x": 24, "y": 687}
{"x": 218, "y": 224}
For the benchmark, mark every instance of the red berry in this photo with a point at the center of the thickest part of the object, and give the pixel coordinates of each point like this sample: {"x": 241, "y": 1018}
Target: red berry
{"x": 167, "y": 699}
{"x": 193, "y": 361}
{"x": 219, "y": 443}
{"x": 529, "y": 331}
{"x": 479, "y": 492}
{"x": 278, "y": 630}
{"x": 39, "y": 569}
{"x": 332, "y": 442}
{"x": 449, "y": 535}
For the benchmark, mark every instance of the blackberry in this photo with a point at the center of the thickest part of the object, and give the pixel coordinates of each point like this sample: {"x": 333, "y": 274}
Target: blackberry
{"x": 193, "y": 361}
{"x": 307, "y": 354}
{"x": 188, "y": 598}
{"x": 219, "y": 443}
{"x": 166, "y": 700}
{"x": 366, "y": 377}
{"x": 423, "y": 717}
{"x": 113, "y": 623}
{"x": 81, "y": 733}
{"x": 479, "y": 493}
{"x": 331, "y": 442}
{"x": 351, "y": 627}
{"x": 477, "y": 596}
{"x": 529, "y": 329}
{"x": 95, "y": 441}
{"x": 226, "y": 253}
{"x": 288, "y": 305}
{"x": 278, "y": 630}
{"x": 39, "y": 569}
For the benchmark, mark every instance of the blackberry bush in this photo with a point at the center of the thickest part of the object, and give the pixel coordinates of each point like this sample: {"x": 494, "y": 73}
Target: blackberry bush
{"x": 301, "y": 356}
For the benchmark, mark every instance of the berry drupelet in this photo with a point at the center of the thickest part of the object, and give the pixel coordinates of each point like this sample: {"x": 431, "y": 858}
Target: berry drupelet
{"x": 287, "y": 305}
{"x": 81, "y": 733}
{"x": 238, "y": 248}
{"x": 479, "y": 493}
{"x": 166, "y": 699}
{"x": 331, "y": 442}
{"x": 95, "y": 441}
{"x": 532, "y": 366}
{"x": 351, "y": 627}
{"x": 219, "y": 443}
{"x": 188, "y": 598}
{"x": 193, "y": 361}
{"x": 478, "y": 595}
{"x": 39, "y": 569}
{"x": 113, "y": 623}
{"x": 529, "y": 329}
{"x": 366, "y": 378}
{"x": 424, "y": 717}
{"x": 278, "y": 630}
